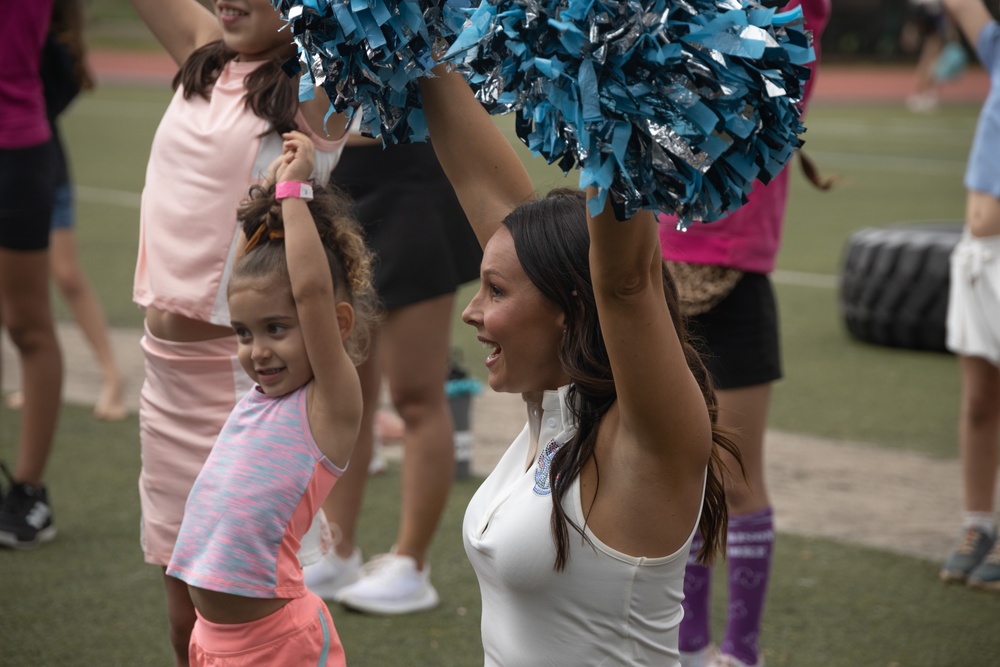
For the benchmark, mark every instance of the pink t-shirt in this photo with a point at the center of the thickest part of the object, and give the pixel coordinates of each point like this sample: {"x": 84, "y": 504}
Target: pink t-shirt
{"x": 254, "y": 500}
{"x": 747, "y": 239}
{"x": 205, "y": 155}
{"x": 23, "y": 27}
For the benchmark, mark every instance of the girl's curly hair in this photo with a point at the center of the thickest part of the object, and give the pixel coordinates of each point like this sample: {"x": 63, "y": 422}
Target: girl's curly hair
{"x": 349, "y": 257}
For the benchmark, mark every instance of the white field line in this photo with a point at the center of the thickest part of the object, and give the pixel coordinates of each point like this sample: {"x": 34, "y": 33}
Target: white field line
{"x": 131, "y": 200}
{"x": 121, "y": 198}
{"x": 803, "y": 279}
{"x": 881, "y": 163}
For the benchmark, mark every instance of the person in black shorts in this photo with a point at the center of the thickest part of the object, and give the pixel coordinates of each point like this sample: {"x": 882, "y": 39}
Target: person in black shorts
{"x": 424, "y": 250}
{"x": 27, "y": 181}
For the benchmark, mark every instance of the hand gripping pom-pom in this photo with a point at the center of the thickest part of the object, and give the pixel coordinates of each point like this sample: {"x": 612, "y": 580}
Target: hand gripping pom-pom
{"x": 674, "y": 105}
{"x": 368, "y": 54}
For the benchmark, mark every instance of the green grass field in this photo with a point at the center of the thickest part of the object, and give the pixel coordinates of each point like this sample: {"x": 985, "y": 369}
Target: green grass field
{"x": 87, "y": 599}
{"x": 891, "y": 167}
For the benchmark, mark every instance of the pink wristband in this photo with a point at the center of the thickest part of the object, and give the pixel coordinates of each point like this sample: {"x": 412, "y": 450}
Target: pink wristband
{"x": 296, "y": 189}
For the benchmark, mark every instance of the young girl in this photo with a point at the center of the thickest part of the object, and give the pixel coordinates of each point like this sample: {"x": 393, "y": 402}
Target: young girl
{"x": 303, "y": 277}
{"x": 218, "y": 136}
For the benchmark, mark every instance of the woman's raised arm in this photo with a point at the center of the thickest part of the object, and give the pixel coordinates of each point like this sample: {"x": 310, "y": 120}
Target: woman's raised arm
{"x": 662, "y": 407}
{"x": 487, "y": 174}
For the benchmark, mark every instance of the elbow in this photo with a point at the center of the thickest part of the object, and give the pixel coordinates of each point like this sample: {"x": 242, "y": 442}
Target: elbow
{"x": 312, "y": 291}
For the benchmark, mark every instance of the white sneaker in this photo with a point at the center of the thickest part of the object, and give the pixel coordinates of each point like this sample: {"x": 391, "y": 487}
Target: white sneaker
{"x": 332, "y": 573}
{"x": 698, "y": 658}
{"x": 725, "y": 660}
{"x": 390, "y": 584}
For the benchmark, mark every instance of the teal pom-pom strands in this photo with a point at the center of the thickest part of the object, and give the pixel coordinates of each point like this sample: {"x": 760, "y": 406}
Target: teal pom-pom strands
{"x": 673, "y": 105}
{"x": 367, "y": 56}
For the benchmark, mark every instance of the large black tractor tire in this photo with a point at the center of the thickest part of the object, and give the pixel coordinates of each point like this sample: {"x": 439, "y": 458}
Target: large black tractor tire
{"x": 894, "y": 284}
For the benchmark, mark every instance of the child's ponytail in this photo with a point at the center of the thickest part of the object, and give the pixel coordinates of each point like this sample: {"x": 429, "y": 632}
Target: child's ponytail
{"x": 347, "y": 253}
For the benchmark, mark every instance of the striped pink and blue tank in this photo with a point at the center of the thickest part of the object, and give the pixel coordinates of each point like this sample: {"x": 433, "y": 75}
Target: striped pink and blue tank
{"x": 254, "y": 500}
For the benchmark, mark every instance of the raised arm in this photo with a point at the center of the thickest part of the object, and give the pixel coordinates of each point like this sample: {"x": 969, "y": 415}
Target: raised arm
{"x": 487, "y": 174}
{"x": 181, "y": 26}
{"x": 335, "y": 399}
{"x": 663, "y": 411}
{"x": 970, "y": 15}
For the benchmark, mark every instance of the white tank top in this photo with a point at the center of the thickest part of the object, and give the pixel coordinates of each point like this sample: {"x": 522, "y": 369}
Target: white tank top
{"x": 606, "y": 608}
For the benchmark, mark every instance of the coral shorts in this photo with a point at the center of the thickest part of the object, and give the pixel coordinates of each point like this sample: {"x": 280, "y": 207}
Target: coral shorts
{"x": 974, "y": 298}
{"x": 301, "y": 634}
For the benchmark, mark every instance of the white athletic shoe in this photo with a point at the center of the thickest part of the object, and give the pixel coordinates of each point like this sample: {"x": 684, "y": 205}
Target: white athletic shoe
{"x": 725, "y": 660}
{"x": 698, "y": 658}
{"x": 390, "y": 584}
{"x": 332, "y": 573}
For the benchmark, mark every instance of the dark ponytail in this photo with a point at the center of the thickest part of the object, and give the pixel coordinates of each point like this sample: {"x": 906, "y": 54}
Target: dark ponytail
{"x": 270, "y": 92}
{"x": 552, "y": 243}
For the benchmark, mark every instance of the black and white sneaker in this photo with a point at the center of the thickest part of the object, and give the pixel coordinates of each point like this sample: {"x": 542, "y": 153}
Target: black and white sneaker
{"x": 25, "y": 516}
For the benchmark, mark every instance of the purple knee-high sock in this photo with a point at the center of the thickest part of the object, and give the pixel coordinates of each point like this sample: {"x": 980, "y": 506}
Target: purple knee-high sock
{"x": 694, "y": 632}
{"x": 751, "y": 539}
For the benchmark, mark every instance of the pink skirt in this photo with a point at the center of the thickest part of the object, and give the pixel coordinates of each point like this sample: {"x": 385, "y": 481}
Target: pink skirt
{"x": 188, "y": 393}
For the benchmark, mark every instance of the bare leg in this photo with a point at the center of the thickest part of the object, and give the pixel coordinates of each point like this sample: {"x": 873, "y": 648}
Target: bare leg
{"x": 343, "y": 505}
{"x": 745, "y": 411}
{"x": 181, "y": 616}
{"x": 89, "y": 315}
{"x": 751, "y": 522}
{"x": 979, "y": 432}
{"x": 27, "y": 314}
{"x": 415, "y": 344}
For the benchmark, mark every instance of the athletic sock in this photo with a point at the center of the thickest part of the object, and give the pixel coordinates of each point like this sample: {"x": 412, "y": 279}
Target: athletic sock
{"x": 984, "y": 521}
{"x": 750, "y": 543}
{"x": 694, "y": 631}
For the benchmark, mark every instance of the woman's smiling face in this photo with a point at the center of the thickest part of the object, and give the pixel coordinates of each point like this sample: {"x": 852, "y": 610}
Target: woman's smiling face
{"x": 520, "y": 327}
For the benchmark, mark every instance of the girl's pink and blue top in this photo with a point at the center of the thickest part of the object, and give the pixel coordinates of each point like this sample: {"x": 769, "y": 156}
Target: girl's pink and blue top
{"x": 254, "y": 500}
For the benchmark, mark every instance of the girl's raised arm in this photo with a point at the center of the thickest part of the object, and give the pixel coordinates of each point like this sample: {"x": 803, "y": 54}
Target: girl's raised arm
{"x": 662, "y": 408}
{"x": 181, "y": 26}
{"x": 334, "y": 403}
{"x": 487, "y": 174}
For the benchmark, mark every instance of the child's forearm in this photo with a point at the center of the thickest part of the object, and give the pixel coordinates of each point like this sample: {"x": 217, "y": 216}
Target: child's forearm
{"x": 181, "y": 26}
{"x": 308, "y": 270}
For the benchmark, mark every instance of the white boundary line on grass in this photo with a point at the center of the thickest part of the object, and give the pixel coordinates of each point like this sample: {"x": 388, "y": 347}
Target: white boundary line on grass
{"x": 132, "y": 199}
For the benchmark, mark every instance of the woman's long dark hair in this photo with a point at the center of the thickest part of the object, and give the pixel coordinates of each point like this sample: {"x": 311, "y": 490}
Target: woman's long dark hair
{"x": 553, "y": 246}
{"x": 270, "y": 92}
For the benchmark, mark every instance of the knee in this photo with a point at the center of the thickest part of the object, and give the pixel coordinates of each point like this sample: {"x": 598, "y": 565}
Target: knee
{"x": 419, "y": 403}
{"x": 69, "y": 283}
{"x": 982, "y": 412}
{"x": 30, "y": 334}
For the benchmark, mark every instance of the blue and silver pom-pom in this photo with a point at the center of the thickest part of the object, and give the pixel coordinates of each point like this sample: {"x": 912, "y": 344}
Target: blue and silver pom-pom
{"x": 674, "y": 105}
{"x": 368, "y": 54}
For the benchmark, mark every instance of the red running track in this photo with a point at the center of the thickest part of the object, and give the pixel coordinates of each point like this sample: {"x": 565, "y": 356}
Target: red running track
{"x": 836, "y": 83}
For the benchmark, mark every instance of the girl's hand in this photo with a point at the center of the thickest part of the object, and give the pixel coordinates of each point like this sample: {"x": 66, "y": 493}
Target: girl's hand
{"x": 297, "y": 159}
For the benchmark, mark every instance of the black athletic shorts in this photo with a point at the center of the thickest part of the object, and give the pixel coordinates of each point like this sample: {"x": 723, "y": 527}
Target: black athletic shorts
{"x": 27, "y": 189}
{"x": 738, "y": 339}
{"x": 413, "y": 222}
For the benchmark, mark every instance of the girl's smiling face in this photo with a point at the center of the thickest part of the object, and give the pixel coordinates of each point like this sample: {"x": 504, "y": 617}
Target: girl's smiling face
{"x": 272, "y": 350}
{"x": 520, "y": 327}
{"x": 251, "y": 28}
